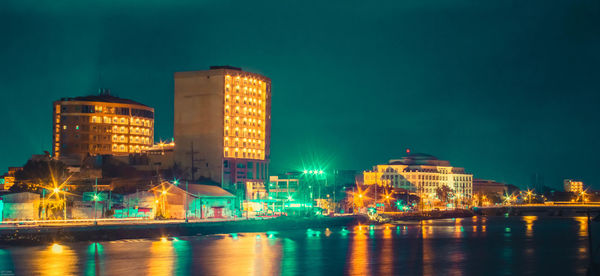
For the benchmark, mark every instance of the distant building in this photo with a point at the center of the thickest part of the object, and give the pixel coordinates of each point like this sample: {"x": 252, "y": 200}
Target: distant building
{"x": 101, "y": 125}
{"x": 483, "y": 186}
{"x": 573, "y": 186}
{"x": 158, "y": 157}
{"x": 222, "y": 128}
{"x": 421, "y": 174}
{"x": 284, "y": 188}
{"x": 8, "y": 179}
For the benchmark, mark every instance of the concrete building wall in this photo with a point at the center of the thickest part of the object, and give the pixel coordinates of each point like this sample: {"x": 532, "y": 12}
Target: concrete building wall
{"x": 21, "y": 206}
{"x": 85, "y": 210}
{"x": 199, "y": 100}
{"x": 205, "y": 207}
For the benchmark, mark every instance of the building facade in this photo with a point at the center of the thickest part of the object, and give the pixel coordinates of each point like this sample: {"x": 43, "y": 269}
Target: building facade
{"x": 421, "y": 174}
{"x": 573, "y": 186}
{"x": 8, "y": 179}
{"x": 283, "y": 188}
{"x": 484, "y": 186}
{"x": 101, "y": 124}
{"x": 222, "y": 128}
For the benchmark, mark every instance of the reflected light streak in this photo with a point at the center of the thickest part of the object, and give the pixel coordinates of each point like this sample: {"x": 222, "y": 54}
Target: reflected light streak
{"x": 529, "y": 224}
{"x": 386, "y": 256}
{"x": 56, "y": 259}
{"x": 583, "y": 226}
{"x": 359, "y": 255}
{"x": 162, "y": 258}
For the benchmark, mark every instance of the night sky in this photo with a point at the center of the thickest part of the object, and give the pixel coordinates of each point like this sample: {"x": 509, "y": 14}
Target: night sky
{"x": 503, "y": 88}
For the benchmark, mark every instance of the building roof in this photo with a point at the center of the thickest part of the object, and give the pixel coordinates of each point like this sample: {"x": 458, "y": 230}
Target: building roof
{"x": 419, "y": 159}
{"x": 228, "y": 67}
{"x": 208, "y": 190}
{"x": 104, "y": 97}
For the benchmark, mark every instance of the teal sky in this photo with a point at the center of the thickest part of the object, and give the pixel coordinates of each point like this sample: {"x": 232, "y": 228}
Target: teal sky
{"x": 503, "y": 88}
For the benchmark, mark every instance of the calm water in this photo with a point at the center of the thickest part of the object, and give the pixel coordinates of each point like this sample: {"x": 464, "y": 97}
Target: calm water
{"x": 478, "y": 246}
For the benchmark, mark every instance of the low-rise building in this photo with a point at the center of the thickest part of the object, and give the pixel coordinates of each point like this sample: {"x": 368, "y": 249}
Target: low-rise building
{"x": 421, "y": 174}
{"x": 283, "y": 188}
{"x": 20, "y": 206}
{"x": 200, "y": 201}
{"x": 483, "y": 186}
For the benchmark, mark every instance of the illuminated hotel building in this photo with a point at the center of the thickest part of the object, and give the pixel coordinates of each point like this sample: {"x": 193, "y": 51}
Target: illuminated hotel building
{"x": 573, "y": 186}
{"x": 101, "y": 124}
{"x": 222, "y": 128}
{"x": 421, "y": 174}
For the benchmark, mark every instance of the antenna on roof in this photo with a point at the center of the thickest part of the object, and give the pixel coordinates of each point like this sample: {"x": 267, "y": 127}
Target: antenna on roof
{"x": 104, "y": 91}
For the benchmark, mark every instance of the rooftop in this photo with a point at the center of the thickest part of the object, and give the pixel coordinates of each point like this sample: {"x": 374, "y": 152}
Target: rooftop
{"x": 208, "y": 190}
{"x": 104, "y": 96}
{"x": 228, "y": 67}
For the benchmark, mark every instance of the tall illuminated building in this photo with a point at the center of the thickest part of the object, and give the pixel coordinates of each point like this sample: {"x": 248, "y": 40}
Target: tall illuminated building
{"x": 222, "y": 128}
{"x": 101, "y": 125}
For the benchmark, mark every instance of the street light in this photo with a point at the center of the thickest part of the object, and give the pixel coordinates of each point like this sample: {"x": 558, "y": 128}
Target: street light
{"x": 95, "y": 200}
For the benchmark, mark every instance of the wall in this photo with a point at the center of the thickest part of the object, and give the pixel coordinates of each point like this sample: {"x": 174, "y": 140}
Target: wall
{"x": 199, "y": 109}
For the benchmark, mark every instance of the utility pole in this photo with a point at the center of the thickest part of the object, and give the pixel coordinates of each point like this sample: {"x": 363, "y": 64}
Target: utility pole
{"x": 65, "y": 209}
{"x": 186, "y": 203}
{"x": 44, "y": 203}
{"x": 334, "y": 187}
{"x": 95, "y": 197}
{"x": 192, "y": 154}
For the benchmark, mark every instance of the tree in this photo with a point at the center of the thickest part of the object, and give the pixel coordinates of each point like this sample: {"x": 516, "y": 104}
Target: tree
{"x": 39, "y": 173}
{"x": 444, "y": 193}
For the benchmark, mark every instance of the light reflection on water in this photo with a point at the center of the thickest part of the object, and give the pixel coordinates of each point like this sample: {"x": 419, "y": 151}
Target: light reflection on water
{"x": 474, "y": 246}
{"x": 55, "y": 260}
{"x": 359, "y": 253}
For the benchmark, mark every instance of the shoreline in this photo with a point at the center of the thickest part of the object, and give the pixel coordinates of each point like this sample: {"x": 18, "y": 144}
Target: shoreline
{"x": 48, "y": 234}
{"x": 79, "y": 233}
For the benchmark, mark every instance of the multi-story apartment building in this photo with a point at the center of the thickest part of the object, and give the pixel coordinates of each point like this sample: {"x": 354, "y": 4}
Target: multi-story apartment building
{"x": 421, "y": 174}
{"x": 222, "y": 128}
{"x": 573, "y": 186}
{"x": 101, "y": 124}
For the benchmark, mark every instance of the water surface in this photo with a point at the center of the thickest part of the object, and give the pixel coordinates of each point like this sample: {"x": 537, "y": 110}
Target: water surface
{"x": 474, "y": 246}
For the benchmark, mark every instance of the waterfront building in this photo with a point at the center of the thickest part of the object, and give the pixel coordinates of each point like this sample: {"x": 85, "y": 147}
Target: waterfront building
{"x": 421, "y": 174}
{"x": 101, "y": 125}
{"x": 200, "y": 201}
{"x": 19, "y": 206}
{"x": 283, "y": 188}
{"x": 573, "y": 186}
{"x": 483, "y": 186}
{"x": 222, "y": 128}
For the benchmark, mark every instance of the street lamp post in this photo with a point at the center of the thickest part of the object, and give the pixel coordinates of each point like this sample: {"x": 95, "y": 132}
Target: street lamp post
{"x": 95, "y": 200}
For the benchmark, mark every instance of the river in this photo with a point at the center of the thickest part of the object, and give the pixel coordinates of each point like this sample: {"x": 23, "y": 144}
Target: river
{"x": 473, "y": 246}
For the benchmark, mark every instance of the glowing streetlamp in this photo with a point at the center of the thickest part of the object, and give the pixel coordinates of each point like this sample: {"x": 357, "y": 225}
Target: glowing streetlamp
{"x": 95, "y": 200}
{"x": 529, "y": 194}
